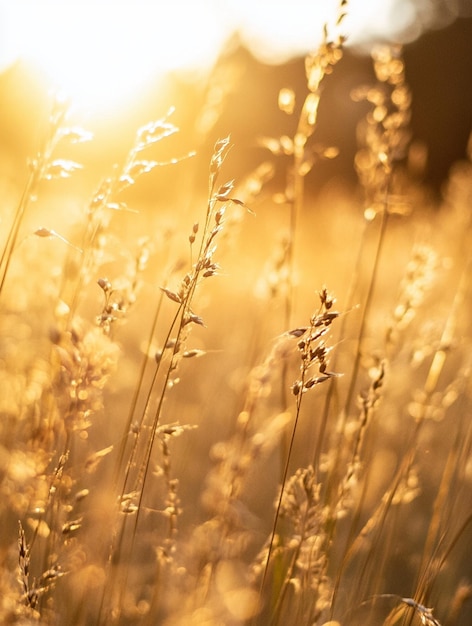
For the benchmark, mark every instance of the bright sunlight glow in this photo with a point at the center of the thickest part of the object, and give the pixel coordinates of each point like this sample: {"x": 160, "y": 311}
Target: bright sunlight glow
{"x": 100, "y": 52}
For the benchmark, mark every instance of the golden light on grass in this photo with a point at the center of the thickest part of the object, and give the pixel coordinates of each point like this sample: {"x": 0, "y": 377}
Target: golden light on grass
{"x": 194, "y": 429}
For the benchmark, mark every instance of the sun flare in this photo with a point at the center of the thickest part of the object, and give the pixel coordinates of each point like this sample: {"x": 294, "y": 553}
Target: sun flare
{"x": 99, "y": 53}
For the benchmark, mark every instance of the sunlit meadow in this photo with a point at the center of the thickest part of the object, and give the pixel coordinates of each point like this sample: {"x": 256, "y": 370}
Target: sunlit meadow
{"x": 228, "y": 397}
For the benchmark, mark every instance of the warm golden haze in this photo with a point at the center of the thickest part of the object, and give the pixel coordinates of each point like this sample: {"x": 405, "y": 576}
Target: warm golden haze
{"x": 99, "y": 53}
{"x": 234, "y": 390}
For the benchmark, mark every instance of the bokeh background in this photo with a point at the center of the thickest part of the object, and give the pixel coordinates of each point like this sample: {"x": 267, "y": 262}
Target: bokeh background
{"x": 126, "y": 63}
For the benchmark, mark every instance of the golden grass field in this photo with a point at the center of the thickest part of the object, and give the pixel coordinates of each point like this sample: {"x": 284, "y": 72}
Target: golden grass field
{"x": 236, "y": 402}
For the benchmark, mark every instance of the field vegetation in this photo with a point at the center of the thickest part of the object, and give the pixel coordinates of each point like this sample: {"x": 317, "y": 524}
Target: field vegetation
{"x": 237, "y": 402}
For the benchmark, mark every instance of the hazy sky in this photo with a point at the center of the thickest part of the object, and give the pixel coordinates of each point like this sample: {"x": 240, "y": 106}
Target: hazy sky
{"x": 272, "y": 28}
{"x": 76, "y": 43}
{"x": 277, "y": 30}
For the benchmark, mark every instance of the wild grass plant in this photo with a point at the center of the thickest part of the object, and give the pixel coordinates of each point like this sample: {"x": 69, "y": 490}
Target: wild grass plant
{"x": 195, "y": 429}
